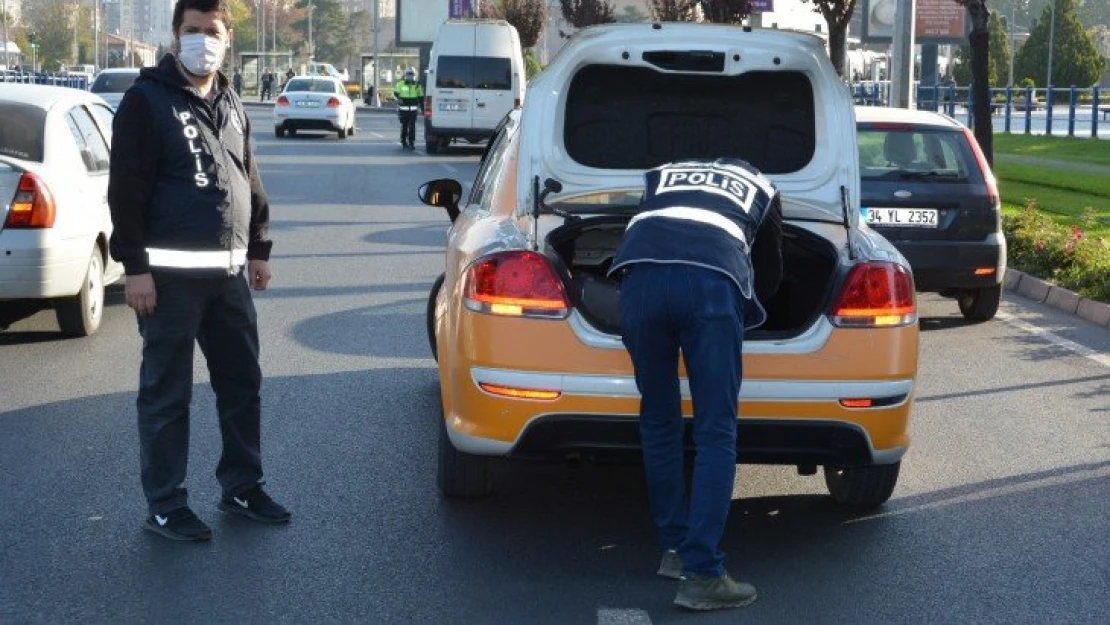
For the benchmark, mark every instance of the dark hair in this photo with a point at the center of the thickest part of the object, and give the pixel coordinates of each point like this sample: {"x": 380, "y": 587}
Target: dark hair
{"x": 204, "y": 6}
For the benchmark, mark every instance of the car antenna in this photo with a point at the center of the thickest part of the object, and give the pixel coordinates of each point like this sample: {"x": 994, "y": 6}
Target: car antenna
{"x": 847, "y": 223}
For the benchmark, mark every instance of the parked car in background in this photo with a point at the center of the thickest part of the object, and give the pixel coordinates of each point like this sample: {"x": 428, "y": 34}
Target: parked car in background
{"x": 112, "y": 83}
{"x": 55, "y": 223}
{"x": 314, "y": 103}
{"x": 926, "y": 186}
{"x": 525, "y": 322}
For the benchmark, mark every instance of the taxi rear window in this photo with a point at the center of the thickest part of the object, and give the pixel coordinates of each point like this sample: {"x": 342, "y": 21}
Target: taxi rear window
{"x": 639, "y": 118}
{"x": 21, "y": 131}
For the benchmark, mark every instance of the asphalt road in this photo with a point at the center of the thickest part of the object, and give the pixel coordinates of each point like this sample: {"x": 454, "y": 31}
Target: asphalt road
{"x": 1001, "y": 515}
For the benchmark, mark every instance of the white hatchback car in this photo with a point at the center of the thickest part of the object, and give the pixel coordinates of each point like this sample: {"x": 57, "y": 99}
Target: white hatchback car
{"x": 314, "y": 103}
{"x": 54, "y": 218}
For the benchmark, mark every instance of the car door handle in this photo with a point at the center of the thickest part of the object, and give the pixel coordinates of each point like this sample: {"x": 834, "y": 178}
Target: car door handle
{"x": 481, "y": 105}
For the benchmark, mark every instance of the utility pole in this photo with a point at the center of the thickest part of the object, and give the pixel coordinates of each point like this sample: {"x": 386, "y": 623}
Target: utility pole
{"x": 4, "y": 11}
{"x": 1010, "y": 81}
{"x": 311, "y": 45}
{"x": 375, "y": 26}
{"x": 901, "y": 71}
{"x": 96, "y": 35}
{"x": 1051, "y": 40}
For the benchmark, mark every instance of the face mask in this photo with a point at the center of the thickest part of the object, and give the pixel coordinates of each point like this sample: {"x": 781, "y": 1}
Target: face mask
{"x": 200, "y": 54}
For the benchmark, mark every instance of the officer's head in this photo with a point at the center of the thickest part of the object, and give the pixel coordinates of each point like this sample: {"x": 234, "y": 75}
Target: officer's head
{"x": 410, "y": 76}
{"x": 201, "y": 30}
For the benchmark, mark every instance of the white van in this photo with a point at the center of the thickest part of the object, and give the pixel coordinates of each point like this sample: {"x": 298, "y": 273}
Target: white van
{"x": 475, "y": 77}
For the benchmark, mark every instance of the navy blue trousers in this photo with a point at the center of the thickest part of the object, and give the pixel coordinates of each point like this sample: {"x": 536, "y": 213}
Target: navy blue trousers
{"x": 218, "y": 314}
{"x": 666, "y": 308}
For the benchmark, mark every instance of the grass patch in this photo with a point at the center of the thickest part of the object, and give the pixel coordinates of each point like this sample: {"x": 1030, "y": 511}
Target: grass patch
{"x": 1093, "y": 151}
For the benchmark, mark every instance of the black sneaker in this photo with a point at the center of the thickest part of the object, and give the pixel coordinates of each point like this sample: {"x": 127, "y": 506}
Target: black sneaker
{"x": 696, "y": 592}
{"x": 179, "y": 524}
{"x": 256, "y": 505}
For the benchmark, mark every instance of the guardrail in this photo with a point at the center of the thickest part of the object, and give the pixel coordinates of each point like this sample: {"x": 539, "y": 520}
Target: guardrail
{"x": 1058, "y": 110}
{"x": 43, "y": 78}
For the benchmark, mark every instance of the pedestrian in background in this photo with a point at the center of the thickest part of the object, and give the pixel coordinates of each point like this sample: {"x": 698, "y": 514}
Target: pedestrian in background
{"x": 410, "y": 100}
{"x": 688, "y": 285}
{"x": 237, "y": 82}
{"x": 190, "y": 222}
{"x": 267, "y": 84}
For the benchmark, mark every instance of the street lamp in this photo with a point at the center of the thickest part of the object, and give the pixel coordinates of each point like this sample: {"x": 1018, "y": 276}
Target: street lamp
{"x": 1051, "y": 40}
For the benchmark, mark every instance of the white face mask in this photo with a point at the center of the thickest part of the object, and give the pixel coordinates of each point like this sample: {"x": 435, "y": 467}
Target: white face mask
{"x": 200, "y": 54}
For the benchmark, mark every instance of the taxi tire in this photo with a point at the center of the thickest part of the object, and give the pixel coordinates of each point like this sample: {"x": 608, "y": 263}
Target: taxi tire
{"x": 430, "y": 315}
{"x": 863, "y": 488}
{"x": 980, "y": 304}
{"x": 81, "y": 314}
{"x": 461, "y": 475}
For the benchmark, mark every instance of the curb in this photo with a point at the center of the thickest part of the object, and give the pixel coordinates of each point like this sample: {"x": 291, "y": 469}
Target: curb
{"x": 1057, "y": 297}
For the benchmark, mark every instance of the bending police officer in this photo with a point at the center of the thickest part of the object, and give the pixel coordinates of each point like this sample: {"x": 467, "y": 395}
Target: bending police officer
{"x": 688, "y": 285}
{"x": 190, "y": 215}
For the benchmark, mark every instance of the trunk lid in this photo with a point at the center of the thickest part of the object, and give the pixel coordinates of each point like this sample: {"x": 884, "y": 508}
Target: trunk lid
{"x": 624, "y": 98}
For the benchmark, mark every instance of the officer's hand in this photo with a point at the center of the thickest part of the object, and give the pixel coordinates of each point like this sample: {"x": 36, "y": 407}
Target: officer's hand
{"x": 139, "y": 291}
{"x": 258, "y": 274}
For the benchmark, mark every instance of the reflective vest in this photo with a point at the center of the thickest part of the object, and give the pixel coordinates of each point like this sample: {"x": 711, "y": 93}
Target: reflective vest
{"x": 704, "y": 213}
{"x": 410, "y": 97}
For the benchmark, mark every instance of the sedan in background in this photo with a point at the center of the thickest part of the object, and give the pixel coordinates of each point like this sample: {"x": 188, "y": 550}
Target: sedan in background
{"x": 926, "y": 186}
{"x": 54, "y": 219}
{"x": 111, "y": 84}
{"x": 314, "y": 103}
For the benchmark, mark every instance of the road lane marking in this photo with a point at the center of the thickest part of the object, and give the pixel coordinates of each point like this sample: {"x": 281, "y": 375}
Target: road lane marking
{"x": 1055, "y": 339}
{"x": 1097, "y": 472}
{"x": 449, "y": 168}
{"x": 610, "y": 616}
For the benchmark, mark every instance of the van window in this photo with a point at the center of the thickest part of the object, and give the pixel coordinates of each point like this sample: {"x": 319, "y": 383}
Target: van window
{"x": 474, "y": 72}
{"x": 639, "y": 118}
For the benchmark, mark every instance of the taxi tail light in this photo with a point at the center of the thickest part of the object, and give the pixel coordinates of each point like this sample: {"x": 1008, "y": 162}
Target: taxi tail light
{"x": 427, "y": 106}
{"x": 333, "y": 103}
{"x": 984, "y": 166}
{"x": 875, "y": 294}
{"x": 282, "y": 101}
{"x": 33, "y": 204}
{"x": 515, "y": 284}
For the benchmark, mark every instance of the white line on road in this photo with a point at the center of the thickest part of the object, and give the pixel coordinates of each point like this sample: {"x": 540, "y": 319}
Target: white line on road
{"x": 450, "y": 168}
{"x": 610, "y": 616}
{"x": 377, "y": 135}
{"x": 1097, "y": 356}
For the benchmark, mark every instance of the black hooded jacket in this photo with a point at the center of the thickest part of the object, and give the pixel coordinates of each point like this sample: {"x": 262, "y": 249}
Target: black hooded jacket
{"x": 184, "y": 190}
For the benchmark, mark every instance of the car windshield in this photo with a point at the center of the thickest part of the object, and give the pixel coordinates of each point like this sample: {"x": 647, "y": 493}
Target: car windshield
{"x": 115, "y": 82}
{"x": 907, "y": 153}
{"x": 312, "y": 86}
{"x": 616, "y": 200}
{"x": 21, "y": 131}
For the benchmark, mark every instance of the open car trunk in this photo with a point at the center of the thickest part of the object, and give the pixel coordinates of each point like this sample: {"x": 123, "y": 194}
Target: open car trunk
{"x": 586, "y": 248}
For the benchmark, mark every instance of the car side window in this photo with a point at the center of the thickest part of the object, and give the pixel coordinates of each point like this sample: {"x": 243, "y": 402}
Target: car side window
{"x": 104, "y": 116}
{"x": 487, "y": 171}
{"x": 91, "y": 144}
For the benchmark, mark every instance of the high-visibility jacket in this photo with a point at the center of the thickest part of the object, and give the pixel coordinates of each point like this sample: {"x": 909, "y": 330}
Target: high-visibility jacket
{"x": 410, "y": 96}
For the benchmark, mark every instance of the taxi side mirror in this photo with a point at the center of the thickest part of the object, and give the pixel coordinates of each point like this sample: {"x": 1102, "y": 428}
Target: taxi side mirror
{"x": 443, "y": 193}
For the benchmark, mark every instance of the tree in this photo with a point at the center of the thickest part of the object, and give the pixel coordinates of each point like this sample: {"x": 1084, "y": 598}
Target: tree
{"x": 673, "y": 10}
{"x": 52, "y": 21}
{"x": 1075, "y": 59}
{"x": 999, "y": 58}
{"x": 631, "y": 13}
{"x": 979, "y": 98}
{"x": 725, "y": 11}
{"x": 837, "y": 14}
{"x": 583, "y": 13}
{"x": 333, "y": 31}
{"x": 529, "y": 18}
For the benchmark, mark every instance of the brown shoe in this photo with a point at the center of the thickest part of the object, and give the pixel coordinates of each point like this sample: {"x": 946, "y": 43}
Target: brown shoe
{"x": 696, "y": 592}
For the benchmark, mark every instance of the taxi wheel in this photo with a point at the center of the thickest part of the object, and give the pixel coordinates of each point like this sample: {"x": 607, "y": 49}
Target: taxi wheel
{"x": 980, "y": 304}
{"x": 461, "y": 475}
{"x": 431, "y": 315}
{"x": 80, "y": 315}
{"x": 864, "y": 488}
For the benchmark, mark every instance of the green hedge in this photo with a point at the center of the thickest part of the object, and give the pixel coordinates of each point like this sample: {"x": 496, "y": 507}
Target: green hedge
{"x": 1063, "y": 255}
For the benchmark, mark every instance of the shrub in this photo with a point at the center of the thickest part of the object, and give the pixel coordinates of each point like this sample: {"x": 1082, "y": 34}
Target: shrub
{"x": 1063, "y": 255}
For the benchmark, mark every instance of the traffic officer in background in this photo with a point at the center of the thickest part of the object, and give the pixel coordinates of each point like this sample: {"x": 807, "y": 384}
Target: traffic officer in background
{"x": 191, "y": 221}
{"x": 688, "y": 284}
{"x": 410, "y": 100}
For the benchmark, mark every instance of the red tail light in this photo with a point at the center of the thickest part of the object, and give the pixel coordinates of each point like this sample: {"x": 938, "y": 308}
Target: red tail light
{"x": 518, "y": 284}
{"x": 876, "y": 294}
{"x": 427, "y": 106}
{"x": 984, "y": 166}
{"x": 333, "y": 103}
{"x": 33, "y": 204}
{"x": 282, "y": 101}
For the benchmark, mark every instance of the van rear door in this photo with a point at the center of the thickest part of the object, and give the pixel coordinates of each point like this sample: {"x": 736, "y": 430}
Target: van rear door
{"x": 493, "y": 74}
{"x": 453, "y": 94}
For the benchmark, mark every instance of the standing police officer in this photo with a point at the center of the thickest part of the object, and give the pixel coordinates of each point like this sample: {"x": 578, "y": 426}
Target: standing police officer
{"x": 190, "y": 215}
{"x": 410, "y": 99}
{"x": 689, "y": 285}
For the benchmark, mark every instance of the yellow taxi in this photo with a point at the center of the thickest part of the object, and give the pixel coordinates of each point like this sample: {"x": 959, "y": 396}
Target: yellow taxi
{"x": 525, "y": 321}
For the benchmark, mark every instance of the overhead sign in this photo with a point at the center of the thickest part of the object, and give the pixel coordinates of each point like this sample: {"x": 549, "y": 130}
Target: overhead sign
{"x": 935, "y": 21}
{"x": 762, "y": 6}
{"x": 457, "y": 9}
{"x": 418, "y": 20}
